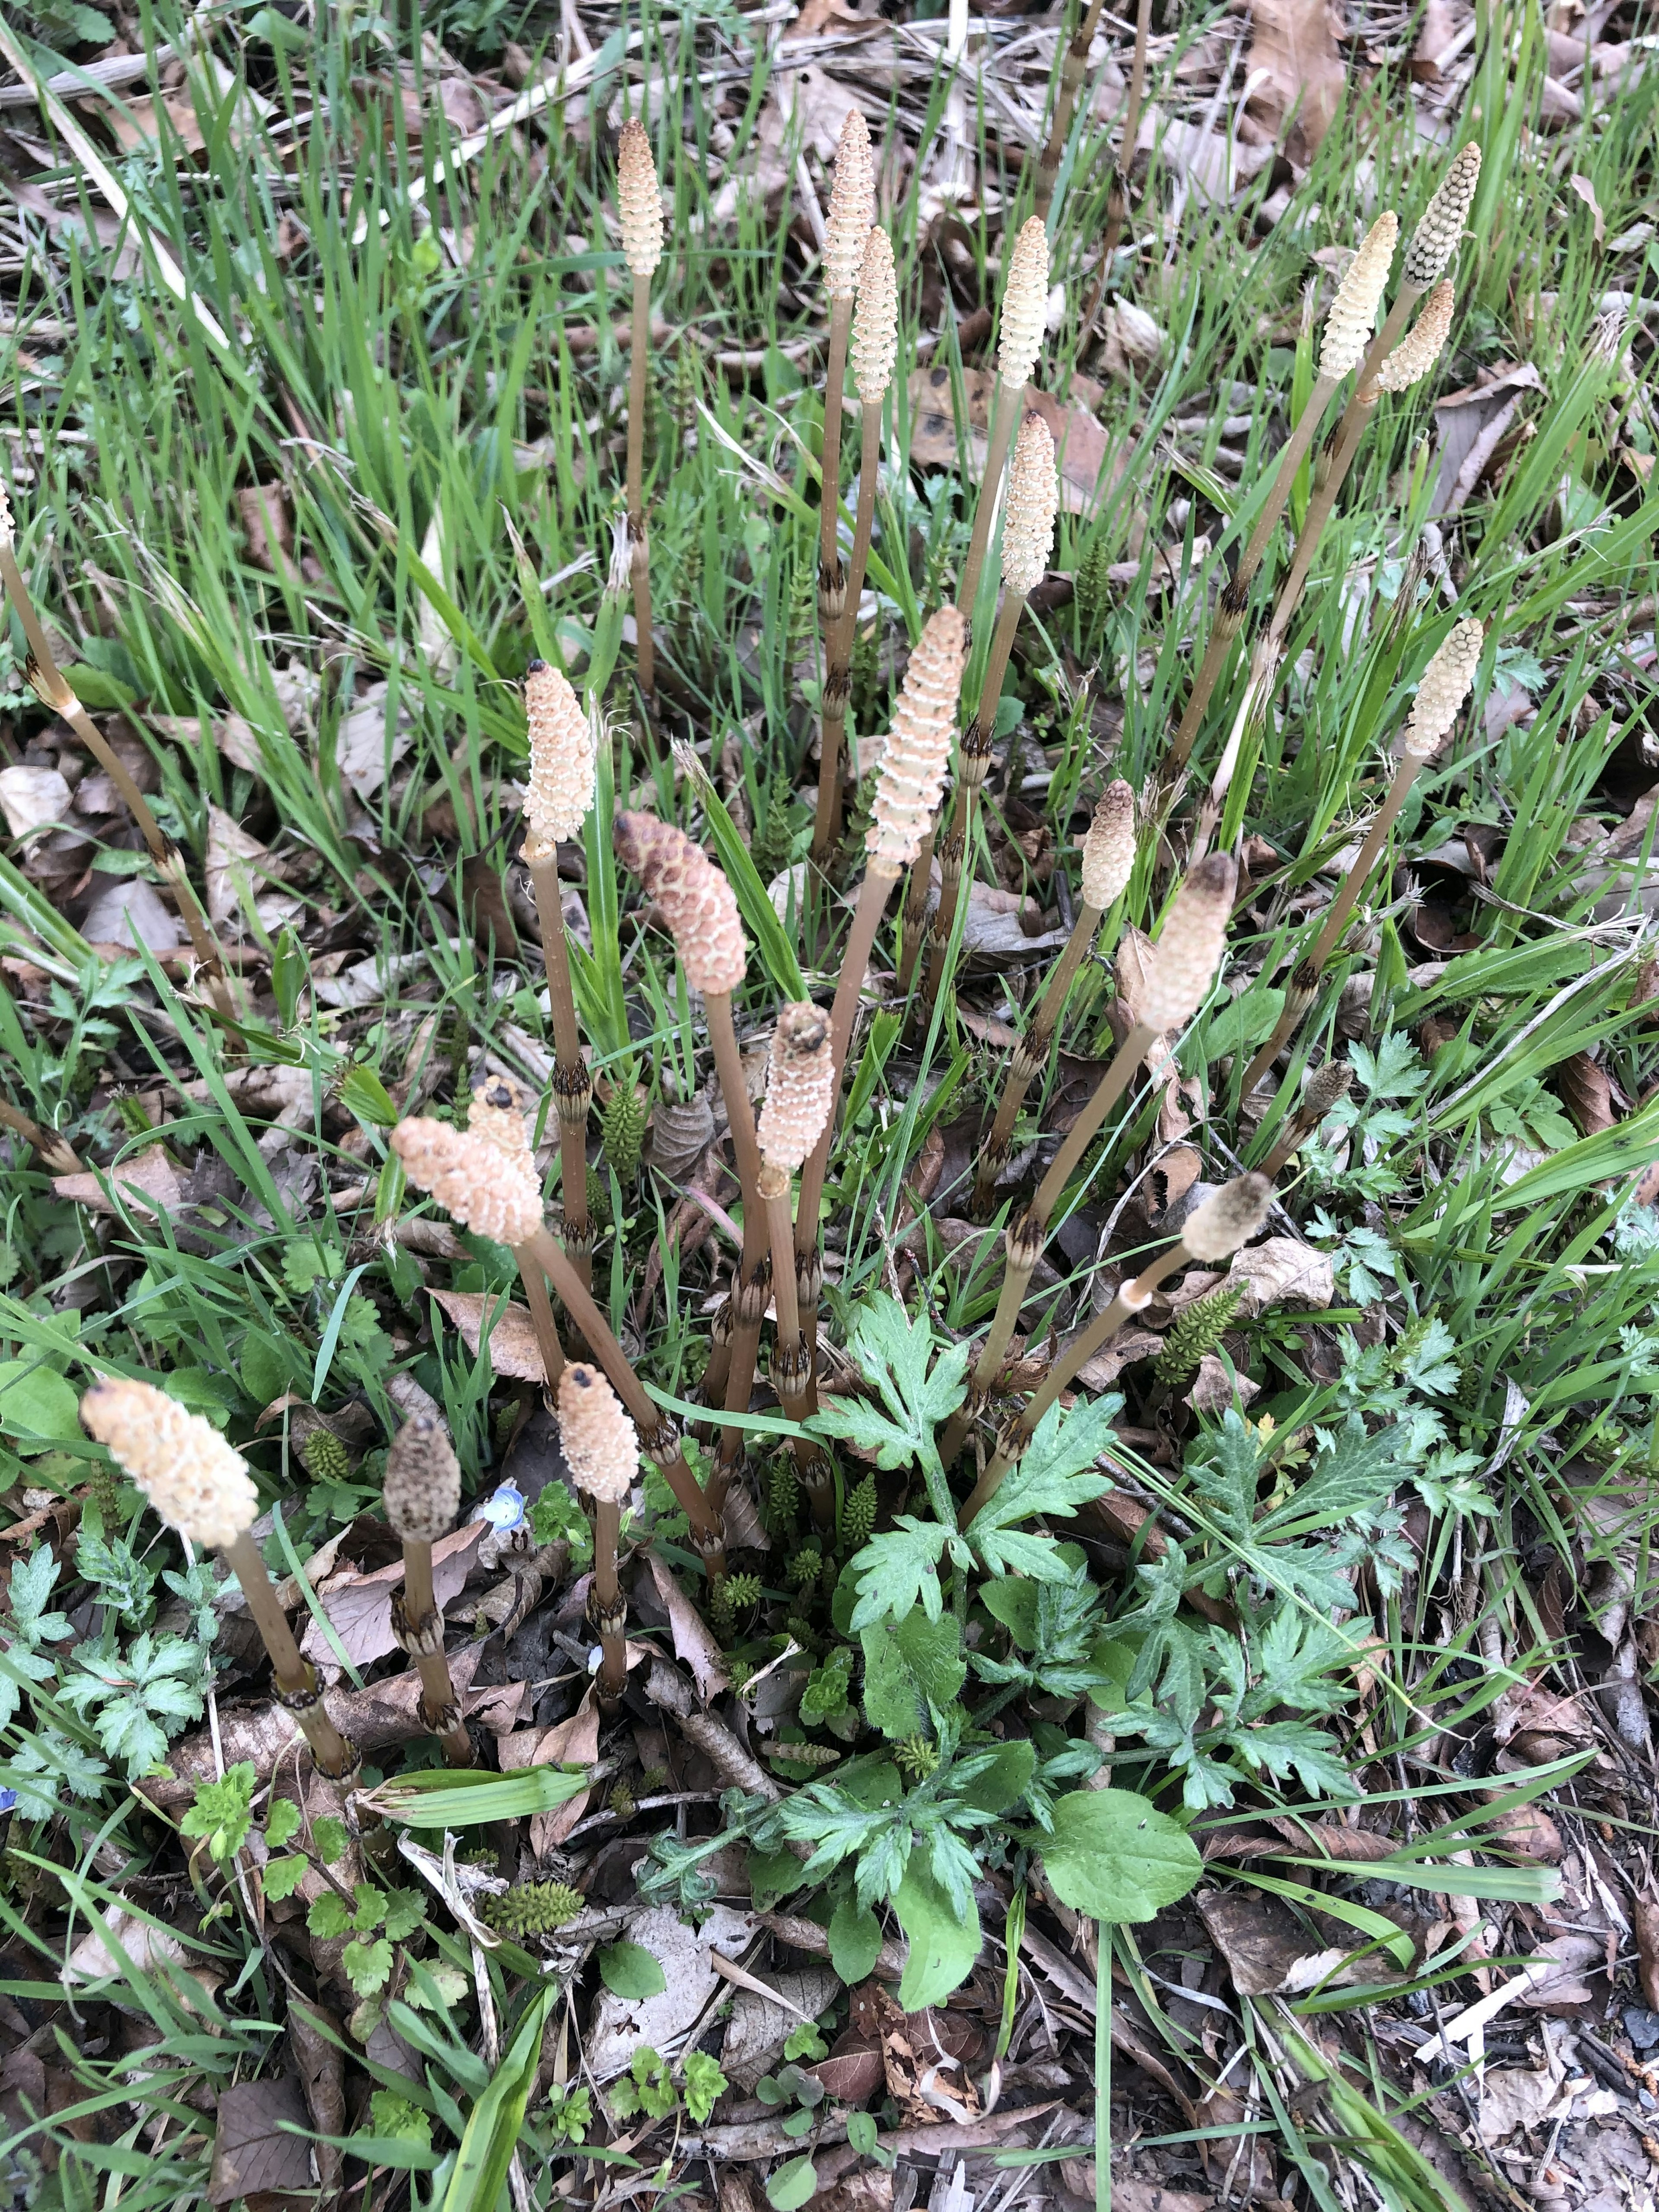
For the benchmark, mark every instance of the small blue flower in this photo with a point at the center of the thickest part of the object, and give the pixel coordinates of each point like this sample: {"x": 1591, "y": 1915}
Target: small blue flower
{"x": 504, "y": 1509}
{"x": 7, "y": 1800}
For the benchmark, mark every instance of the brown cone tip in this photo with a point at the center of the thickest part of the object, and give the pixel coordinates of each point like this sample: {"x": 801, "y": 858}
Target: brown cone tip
{"x": 194, "y": 1480}
{"x": 1108, "y": 846}
{"x": 1327, "y": 1087}
{"x": 800, "y": 1085}
{"x": 1229, "y": 1218}
{"x": 1189, "y": 950}
{"x": 497, "y": 1115}
{"x": 601, "y": 1445}
{"x": 422, "y": 1481}
{"x": 481, "y": 1186}
{"x": 693, "y": 896}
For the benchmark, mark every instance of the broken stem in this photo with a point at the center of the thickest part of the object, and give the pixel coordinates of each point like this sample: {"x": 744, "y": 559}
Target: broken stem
{"x": 1072, "y": 69}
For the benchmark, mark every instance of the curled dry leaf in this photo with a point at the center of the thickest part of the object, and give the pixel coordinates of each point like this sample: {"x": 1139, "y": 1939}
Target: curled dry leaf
{"x": 259, "y": 2149}
{"x": 32, "y": 799}
{"x": 513, "y": 1351}
{"x": 1282, "y": 1271}
{"x": 148, "y": 1183}
{"x": 1081, "y": 444}
{"x": 359, "y": 1609}
{"x": 1214, "y": 1390}
{"x": 757, "y": 2030}
{"x": 693, "y": 1640}
{"x": 1297, "y": 72}
{"x": 1586, "y": 1092}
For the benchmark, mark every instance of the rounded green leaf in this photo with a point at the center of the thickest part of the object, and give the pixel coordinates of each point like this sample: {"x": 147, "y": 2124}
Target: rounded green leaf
{"x": 944, "y": 1942}
{"x": 629, "y": 1971}
{"x": 790, "y": 2187}
{"x": 1113, "y": 1855}
{"x": 37, "y": 1407}
{"x": 854, "y": 1940}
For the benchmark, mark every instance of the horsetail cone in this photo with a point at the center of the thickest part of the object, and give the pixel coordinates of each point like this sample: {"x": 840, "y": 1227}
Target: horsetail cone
{"x": 1435, "y": 238}
{"x": 496, "y": 1115}
{"x": 696, "y": 900}
{"x": 1230, "y": 1218}
{"x": 560, "y": 789}
{"x": 1445, "y": 686}
{"x": 196, "y": 1483}
{"x": 852, "y": 208}
{"x": 1422, "y": 345}
{"x": 1024, "y": 306}
{"x": 918, "y": 748}
{"x": 474, "y": 1182}
{"x": 422, "y": 1481}
{"x": 875, "y": 320}
{"x": 622, "y": 1132}
{"x": 639, "y": 203}
{"x": 1327, "y": 1087}
{"x": 800, "y": 1085}
{"x": 601, "y": 1445}
{"x": 1028, "y": 520}
{"x": 1352, "y": 318}
{"x": 1108, "y": 846}
{"x": 1189, "y": 951}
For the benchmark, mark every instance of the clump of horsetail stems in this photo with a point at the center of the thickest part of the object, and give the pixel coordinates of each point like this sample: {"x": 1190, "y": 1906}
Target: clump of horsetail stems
{"x": 846, "y": 232}
{"x": 1343, "y": 346}
{"x": 490, "y": 1191}
{"x": 1109, "y": 858}
{"x": 800, "y": 1093}
{"x": 1019, "y": 340}
{"x": 911, "y": 777}
{"x": 1440, "y": 696}
{"x": 601, "y": 1448}
{"x": 1073, "y": 65}
{"x": 697, "y": 903}
{"x": 875, "y": 350}
{"x": 639, "y": 207}
{"x": 422, "y": 1496}
{"x": 202, "y": 1487}
{"x": 50, "y": 686}
{"x": 1214, "y": 1230}
{"x": 1183, "y": 968}
{"x": 555, "y": 805}
{"x": 1326, "y": 1088}
{"x": 1028, "y": 539}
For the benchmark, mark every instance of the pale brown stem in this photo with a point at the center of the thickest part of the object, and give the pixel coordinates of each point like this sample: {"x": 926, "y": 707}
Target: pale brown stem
{"x": 1026, "y": 1237}
{"x": 1117, "y": 200}
{"x": 1295, "y": 1134}
{"x": 51, "y": 686}
{"x": 973, "y": 759}
{"x": 837, "y": 676}
{"x": 1335, "y": 920}
{"x": 541, "y": 1314}
{"x": 874, "y": 893}
{"x": 835, "y": 386}
{"x": 719, "y": 1367}
{"x": 1005, "y": 420}
{"x": 746, "y": 1335}
{"x": 572, "y": 1086}
{"x": 56, "y": 1152}
{"x": 1235, "y": 597}
{"x": 657, "y": 1434}
{"x": 639, "y": 540}
{"x": 1029, "y": 1054}
{"x": 610, "y": 1607}
{"x": 1072, "y": 69}
{"x": 295, "y": 1676}
{"x": 1131, "y": 1298}
{"x": 915, "y": 914}
{"x": 440, "y": 1709}
{"x": 791, "y": 1373}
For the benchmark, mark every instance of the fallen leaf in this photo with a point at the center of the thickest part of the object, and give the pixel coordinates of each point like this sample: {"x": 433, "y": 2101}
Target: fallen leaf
{"x": 1559, "y": 1985}
{"x": 572, "y": 1742}
{"x": 1513, "y": 2098}
{"x": 1282, "y": 1271}
{"x": 1081, "y": 444}
{"x": 269, "y": 522}
{"x": 514, "y": 1353}
{"x": 693, "y": 1641}
{"x": 148, "y": 1180}
{"x": 618, "y": 2026}
{"x": 313, "y": 2035}
{"x": 1132, "y": 342}
{"x": 365, "y": 751}
{"x": 234, "y": 864}
{"x": 1586, "y": 192}
{"x": 1125, "y": 1348}
{"x": 994, "y": 929}
{"x": 1214, "y": 1388}
{"x": 255, "y": 2151}
{"x": 1644, "y": 1917}
{"x": 1586, "y": 1093}
{"x": 32, "y": 800}
{"x": 1296, "y": 69}
{"x": 1471, "y": 424}
{"x": 360, "y": 1610}
{"x": 129, "y": 911}
{"x": 757, "y": 2029}
{"x": 1266, "y": 1949}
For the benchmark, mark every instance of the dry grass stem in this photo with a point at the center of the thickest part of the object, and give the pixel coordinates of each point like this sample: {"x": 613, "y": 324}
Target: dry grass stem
{"x": 1117, "y": 203}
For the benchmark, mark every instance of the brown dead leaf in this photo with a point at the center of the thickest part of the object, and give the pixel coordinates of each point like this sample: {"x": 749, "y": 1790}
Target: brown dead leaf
{"x": 1081, "y": 444}
{"x": 314, "y": 2036}
{"x": 32, "y": 800}
{"x": 1266, "y": 1949}
{"x": 1644, "y": 1917}
{"x": 1125, "y": 1348}
{"x": 1563, "y": 1987}
{"x": 269, "y": 521}
{"x": 256, "y": 2150}
{"x": 513, "y": 1352}
{"x": 1282, "y": 1271}
{"x": 1586, "y": 1093}
{"x": 693, "y": 1641}
{"x": 1586, "y": 192}
{"x": 1297, "y": 70}
{"x": 572, "y": 1742}
{"x": 148, "y": 1182}
{"x": 359, "y": 1609}
{"x": 1002, "y": 927}
{"x": 1214, "y": 1390}
{"x": 1471, "y": 424}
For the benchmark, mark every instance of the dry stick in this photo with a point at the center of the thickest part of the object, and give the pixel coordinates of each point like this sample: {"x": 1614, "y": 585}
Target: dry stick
{"x": 54, "y": 691}
{"x": 1117, "y": 200}
{"x": 572, "y": 1086}
{"x": 1216, "y": 1229}
{"x": 1072, "y": 72}
{"x": 749, "y": 1283}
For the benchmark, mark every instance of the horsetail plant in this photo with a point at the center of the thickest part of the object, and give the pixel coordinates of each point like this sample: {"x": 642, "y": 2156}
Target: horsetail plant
{"x": 696, "y": 902}
{"x": 800, "y": 1088}
{"x": 601, "y": 1448}
{"x": 852, "y": 213}
{"x": 1214, "y": 1230}
{"x": 1019, "y": 340}
{"x": 914, "y": 760}
{"x": 422, "y": 1497}
{"x": 497, "y": 1196}
{"x": 1073, "y": 69}
{"x": 497, "y": 1115}
{"x": 51, "y": 688}
{"x": 1028, "y": 539}
{"x": 1183, "y": 968}
{"x": 1117, "y": 197}
{"x": 639, "y": 208}
{"x": 557, "y": 804}
{"x": 1326, "y": 1089}
{"x": 201, "y": 1486}
{"x": 1108, "y": 858}
{"x": 1446, "y": 684}
{"x": 875, "y": 350}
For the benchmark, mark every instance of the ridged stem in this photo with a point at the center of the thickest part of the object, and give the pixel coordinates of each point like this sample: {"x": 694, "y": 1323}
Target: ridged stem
{"x": 572, "y": 1086}
{"x": 791, "y": 1373}
{"x": 639, "y": 560}
{"x": 440, "y": 1709}
{"x": 873, "y": 893}
{"x": 1005, "y": 420}
{"x": 748, "y": 1293}
{"x": 1025, "y": 1238}
{"x": 1072, "y": 69}
{"x": 1117, "y": 200}
{"x": 837, "y": 676}
{"x": 609, "y": 1609}
{"x": 50, "y": 685}
{"x": 657, "y": 1434}
{"x": 295, "y": 1675}
{"x": 1029, "y": 1055}
{"x": 915, "y": 914}
{"x": 541, "y": 1315}
{"x": 1336, "y": 918}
